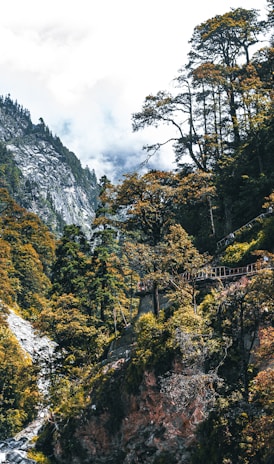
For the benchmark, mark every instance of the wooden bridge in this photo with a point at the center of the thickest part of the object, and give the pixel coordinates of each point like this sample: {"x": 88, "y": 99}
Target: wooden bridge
{"x": 224, "y": 272}
{"x": 216, "y": 273}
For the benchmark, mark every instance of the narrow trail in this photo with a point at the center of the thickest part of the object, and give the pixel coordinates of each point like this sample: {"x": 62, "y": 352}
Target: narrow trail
{"x": 211, "y": 272}
{"x": 40, "y": 349}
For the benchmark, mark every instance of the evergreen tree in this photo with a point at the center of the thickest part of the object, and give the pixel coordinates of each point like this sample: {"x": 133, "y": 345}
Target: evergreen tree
{"x": 109, "y": 279}
{"x": 72, "y": 262}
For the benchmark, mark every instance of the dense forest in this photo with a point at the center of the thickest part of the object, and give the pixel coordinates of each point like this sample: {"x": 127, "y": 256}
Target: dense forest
{"x": 134, "y": 286}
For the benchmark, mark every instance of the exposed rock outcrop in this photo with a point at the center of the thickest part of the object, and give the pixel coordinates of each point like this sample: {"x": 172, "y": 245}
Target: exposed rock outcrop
{"x": 50, "y": 180}
{"x": 126, "y": 427}
{"x": 40, "y": 348}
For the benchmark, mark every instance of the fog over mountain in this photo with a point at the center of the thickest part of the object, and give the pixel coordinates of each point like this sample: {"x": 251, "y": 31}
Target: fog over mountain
{"x": 87, "y": 67}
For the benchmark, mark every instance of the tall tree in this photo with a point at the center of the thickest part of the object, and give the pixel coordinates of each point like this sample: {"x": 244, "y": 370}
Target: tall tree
{"x": 109, "y": 278}
{"x": 221, "y": 42}
{"x": 215, "y": 101}
{"x": 149, "y": 205}
{"x": 176, "y": 111}
{"x": 72, "y": 262}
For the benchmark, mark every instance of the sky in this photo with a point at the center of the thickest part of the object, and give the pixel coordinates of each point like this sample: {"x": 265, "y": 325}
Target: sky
{"x": 86, "y": 66}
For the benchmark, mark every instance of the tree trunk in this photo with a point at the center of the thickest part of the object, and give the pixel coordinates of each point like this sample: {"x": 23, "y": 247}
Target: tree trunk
{"x": 156, "y": 302}
{"x": 211, "y": 216}
{"x": 244, "y": 364}
{"x": 233, "y": 114}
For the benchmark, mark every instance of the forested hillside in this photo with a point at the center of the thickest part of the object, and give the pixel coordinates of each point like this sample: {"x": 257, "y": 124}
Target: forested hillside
{"x": 160, "y": 359}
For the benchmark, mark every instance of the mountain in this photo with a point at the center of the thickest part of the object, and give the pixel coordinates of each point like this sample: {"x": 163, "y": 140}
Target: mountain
{"x": 42, "y": 175}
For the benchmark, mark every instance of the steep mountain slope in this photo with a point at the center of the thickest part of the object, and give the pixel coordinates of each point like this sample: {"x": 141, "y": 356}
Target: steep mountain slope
{"x": 41, "y": 174}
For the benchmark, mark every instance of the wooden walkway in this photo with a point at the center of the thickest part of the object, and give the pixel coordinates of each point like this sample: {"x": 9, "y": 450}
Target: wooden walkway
{"x": 223, "y": 272}
{"x": 228, "y": 239}
{"x": 216, "y": 273}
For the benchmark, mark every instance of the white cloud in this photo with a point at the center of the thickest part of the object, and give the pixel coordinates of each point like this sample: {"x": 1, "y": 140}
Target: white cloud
{"x": 86, "y": 66}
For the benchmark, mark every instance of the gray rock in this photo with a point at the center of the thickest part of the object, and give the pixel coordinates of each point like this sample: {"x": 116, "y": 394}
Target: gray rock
{"x": 52, "y": 182}
{"x": 16, "y": 457}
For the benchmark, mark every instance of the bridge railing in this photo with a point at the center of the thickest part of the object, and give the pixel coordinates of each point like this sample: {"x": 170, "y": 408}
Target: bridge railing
{"x": 228, "y": 239}
{"x": 215, "y": 272}
{"x": 224, "y": 272}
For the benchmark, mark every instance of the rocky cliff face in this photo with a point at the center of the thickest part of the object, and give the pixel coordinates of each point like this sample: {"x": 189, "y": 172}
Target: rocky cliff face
{"x": 122, "y": 427}
{"x": 49, "y": 179}
{"x": 39, "y": 348}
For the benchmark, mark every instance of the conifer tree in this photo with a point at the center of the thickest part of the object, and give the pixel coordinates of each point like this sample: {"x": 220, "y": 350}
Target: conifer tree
{"x": 72, "y": 261}
{"x": 109, "y": 278}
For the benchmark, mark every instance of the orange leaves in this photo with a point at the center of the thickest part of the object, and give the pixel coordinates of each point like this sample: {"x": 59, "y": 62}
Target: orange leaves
{"x": 147, "y": 201}
{"x": 265, "y": 352}
{"x": 260, "y": 430}
{"x": 262, "y": 389}
{"x": 196, "y": 187}
{"x": 27, "y": 253}
{"x": 208, "y": 72}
